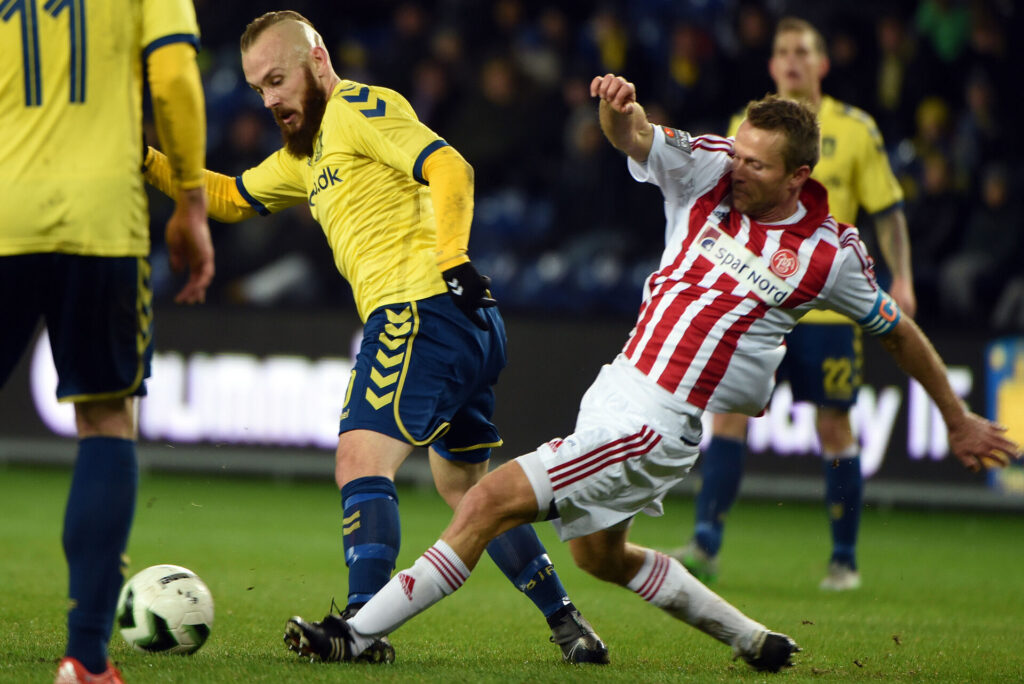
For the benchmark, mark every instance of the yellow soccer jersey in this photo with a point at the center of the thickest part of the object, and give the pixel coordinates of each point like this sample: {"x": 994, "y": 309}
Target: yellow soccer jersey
{"x": 364, "y": 186}
{"x": 71, "y": 114}
{"x": 853, "y": 167}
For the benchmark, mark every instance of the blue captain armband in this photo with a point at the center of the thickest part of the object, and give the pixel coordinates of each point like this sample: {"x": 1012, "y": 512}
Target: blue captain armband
{"x": 883, "y": 317}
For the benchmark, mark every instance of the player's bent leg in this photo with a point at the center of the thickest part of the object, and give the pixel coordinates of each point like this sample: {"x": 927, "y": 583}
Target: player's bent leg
{"x": 524, "y": 560}
{"x": 97, "y": 522}
{"x": 521, "y": 556}
{"x": 607, "y": 555}
{"x": 330, "y": 640}
{"x": 115, "y": 417}
{"x": 721, "y": 468}
{"x": 454, "y": 478}
{"x": 844, "y": 486}
{"x": 365, "y": 467}
{"x": 365, "y": 453}
{"x": 500, "y": 501}
{"x": 665, "y": 583}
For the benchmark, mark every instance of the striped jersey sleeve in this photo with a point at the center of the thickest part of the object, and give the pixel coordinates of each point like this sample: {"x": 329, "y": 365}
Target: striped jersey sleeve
{"x": 853, "y": 292}
{"x": 683, "y": 166}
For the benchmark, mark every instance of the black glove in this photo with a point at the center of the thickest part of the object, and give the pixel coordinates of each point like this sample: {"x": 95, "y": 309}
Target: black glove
{"x": 468, "y": 289}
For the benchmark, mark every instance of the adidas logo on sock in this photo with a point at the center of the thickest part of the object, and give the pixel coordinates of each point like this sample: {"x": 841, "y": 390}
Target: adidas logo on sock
{"x": 407, "y": 584}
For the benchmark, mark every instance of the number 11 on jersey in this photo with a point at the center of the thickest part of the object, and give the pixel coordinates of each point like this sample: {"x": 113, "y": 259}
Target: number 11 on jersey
{"x": 30, "y": 49}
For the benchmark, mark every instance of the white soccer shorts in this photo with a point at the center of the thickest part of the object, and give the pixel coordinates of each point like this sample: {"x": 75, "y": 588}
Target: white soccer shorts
{"x": 628, "y": 449}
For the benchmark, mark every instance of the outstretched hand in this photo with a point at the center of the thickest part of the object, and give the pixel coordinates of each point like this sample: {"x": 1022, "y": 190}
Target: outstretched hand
{"x": 619, "y": 93}
{"x": 189, "y": 245}
{"x": 978, "y": 443}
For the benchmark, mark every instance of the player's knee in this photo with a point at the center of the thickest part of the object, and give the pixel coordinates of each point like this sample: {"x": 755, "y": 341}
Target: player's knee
{"x": 591, "y": 564}
{"x": 598, "y": 562}
{"x": 730, "y": 426}
{"x": 834, "y": 430}
{"x": 364, "y": 453}
{"x": 451, "y": 493}
{"x": 481, "y": 510}
{"x": 106, "y": 418}
{"x": 453, "y": 479}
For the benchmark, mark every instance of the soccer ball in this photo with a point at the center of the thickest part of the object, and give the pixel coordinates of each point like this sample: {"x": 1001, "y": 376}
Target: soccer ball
{"x": 165, "y": 609}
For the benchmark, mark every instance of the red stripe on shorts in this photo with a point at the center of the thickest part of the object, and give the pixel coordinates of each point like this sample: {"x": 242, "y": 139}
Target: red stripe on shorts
{"x": 605, "y": 460}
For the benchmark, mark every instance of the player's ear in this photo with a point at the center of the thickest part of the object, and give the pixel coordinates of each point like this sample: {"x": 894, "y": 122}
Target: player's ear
{"x": 823, "y": 67}
{"x": 774, "y": 69}
{"x": 800, "y": 176}
{"x": 321, "y": 60}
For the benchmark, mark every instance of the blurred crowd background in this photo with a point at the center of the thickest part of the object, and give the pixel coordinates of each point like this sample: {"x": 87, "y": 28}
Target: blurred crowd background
{"x": 559, "y": 225}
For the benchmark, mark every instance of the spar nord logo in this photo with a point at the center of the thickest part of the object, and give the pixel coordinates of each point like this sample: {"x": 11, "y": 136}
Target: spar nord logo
{"x": 327, "y": 179}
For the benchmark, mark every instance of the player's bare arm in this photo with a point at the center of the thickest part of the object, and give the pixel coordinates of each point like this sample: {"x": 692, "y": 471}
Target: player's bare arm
{"x": 623, "y": 120}
{"x": 894, "y": 242}
{"x": 189, "y": 245}
{"x": 976, "y": 442}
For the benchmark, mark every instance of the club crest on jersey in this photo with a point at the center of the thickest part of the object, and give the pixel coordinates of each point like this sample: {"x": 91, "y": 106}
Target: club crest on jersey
{"x": 784, "y": 262}
{"x": 678, "y": 139}
{"x": 318, "y": 148}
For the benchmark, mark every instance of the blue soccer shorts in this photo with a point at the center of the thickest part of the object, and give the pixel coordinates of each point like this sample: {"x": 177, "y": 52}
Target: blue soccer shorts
{"x": 424, "y": 375}
{"x": 98, "y": 313}
{"x": 823, "y": 363}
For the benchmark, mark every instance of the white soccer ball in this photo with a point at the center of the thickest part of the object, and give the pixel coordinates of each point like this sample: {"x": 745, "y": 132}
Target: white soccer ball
{"x": 165, "y": 609}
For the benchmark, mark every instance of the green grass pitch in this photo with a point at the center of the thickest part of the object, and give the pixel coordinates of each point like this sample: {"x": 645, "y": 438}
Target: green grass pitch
{"x": 943, "y": 595}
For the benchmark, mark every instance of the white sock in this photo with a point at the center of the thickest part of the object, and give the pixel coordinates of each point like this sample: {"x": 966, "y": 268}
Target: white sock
{"x": 665, "y": 583}
{"x": 434, "y": 575}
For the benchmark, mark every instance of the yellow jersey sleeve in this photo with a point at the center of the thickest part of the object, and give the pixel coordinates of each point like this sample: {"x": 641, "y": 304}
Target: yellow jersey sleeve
{"x": 277, "y": 183}
{"x": 71, "y": 77}
{"x": 168, "y": 21}
{"x": 224, "y": 201}
{"x": 451, "y": 191}
{"x": 178, "y": 110}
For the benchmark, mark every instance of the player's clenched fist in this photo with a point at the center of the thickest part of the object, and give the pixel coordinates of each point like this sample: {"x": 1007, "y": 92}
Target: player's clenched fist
{"x": 619, "y": 93}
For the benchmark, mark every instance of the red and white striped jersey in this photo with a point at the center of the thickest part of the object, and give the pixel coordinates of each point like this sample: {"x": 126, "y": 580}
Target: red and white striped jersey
{"x": 714, "y": 315}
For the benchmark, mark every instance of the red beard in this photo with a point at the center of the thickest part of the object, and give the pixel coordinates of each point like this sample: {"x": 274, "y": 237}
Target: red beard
{"x": 299, "y": 142}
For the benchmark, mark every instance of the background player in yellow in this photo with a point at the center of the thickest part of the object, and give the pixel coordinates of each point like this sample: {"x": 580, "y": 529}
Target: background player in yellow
{"x": 395, "y": 202}
{"x": 823, "y": 361}
{"x": 74, "y": 249}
